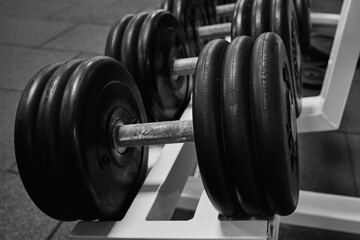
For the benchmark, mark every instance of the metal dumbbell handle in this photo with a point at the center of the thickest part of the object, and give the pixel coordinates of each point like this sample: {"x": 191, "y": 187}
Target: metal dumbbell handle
{"x": 223, "y": 29}
{"x": 329, "y": 19}
{"x": 214, "y": 31}
{"x": 225, "y": 9}
{"x": 184, "y": 66}
{"x": 143, "y": 134}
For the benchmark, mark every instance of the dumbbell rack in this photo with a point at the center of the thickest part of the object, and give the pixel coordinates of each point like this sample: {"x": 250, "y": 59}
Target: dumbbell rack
{"x": 169, "y": 184}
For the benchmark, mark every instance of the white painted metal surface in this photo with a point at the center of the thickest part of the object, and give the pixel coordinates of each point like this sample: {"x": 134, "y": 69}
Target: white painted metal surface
{"x": 324, "y": 112}
{"x": 132, "y": 229}
{"x": 326, "y": 211}
{"x": 148, "y": 216}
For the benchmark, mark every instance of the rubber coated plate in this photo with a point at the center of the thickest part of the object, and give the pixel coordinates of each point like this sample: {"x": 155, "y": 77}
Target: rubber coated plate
{"x": 214, "y": 169}
{"x": 47, "y": 141}
{"x": 99, "y": 95}
{"x": 313, "y": 76}
{"x": 273, "y": 116}
{"x": 114, "y": 39}
{"x": 284, "y": 23}
{"x": 167, "y": 5}
{"x": 321, "y": 44}
{"x": 130, "y": 43}
{"x": 302, "y": 8}
{"x": 161, "y": 41}
{"x": 27, "y": 157}
{"x": 191, "y": 14}
{"x": 237, "y": 128}
{"x": 241, "y": 19}
{"x": 260, "y": 18}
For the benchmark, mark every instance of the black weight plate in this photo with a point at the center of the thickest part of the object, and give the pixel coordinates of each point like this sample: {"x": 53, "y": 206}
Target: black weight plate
{"x": 313, "y": 76}
{"x": 27, "y": 157}
{"x": 210, "y": 9}
{"x": 321, "y": 44}
{"x": 284, "y": 23}
{"x": 241, "y": 19}
{"x": 114, "y": 39}
{"x": 191, "y": 14}
{"x": 167, "y": 5}
{"x": 47, "y": 141}
{"x": 237, "y": 128}
{"x": 302, "y": 8}
{"x": 161, "y": 41}
{"x": 260, "y": 19}
{"x": 273, "y": 114}
{"x": 100, "y": 94}
{"x": 214, "y": 168}
{"x": 130, "y": 43}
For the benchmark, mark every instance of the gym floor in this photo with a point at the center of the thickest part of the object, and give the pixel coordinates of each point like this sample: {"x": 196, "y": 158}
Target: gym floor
{"x": 34, "y": 33}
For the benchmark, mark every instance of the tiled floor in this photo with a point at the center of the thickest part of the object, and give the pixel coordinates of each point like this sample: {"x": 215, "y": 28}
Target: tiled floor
{"x": 34, "y": 33}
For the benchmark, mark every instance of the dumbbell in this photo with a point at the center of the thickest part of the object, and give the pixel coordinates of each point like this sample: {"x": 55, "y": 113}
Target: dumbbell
{"x": 241, "y": 11}
{"x": 81, "y": 136}
{"x": 305, "y": 19}
{"x": 214, "y": 9}
{"x": 253, "y": 17}
{"x": 156, "y": 54}
{"x": 190, "y": 14}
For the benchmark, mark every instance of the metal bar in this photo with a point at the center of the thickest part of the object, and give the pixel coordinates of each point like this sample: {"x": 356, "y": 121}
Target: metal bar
{"x": 131, "y": 135}
{"x": 191, "y": 194}
{"x": 325, "y": 18}
{"x": 214, "y": 31}
{"x": 225, "y": 9}
{"x": 184, "y": 66}
{"x": 168, "y": 194}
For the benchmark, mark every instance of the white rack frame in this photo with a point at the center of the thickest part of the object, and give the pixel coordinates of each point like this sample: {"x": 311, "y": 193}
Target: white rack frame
{"x": 168, "y": 184}
{"x": 324, "y": 112}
